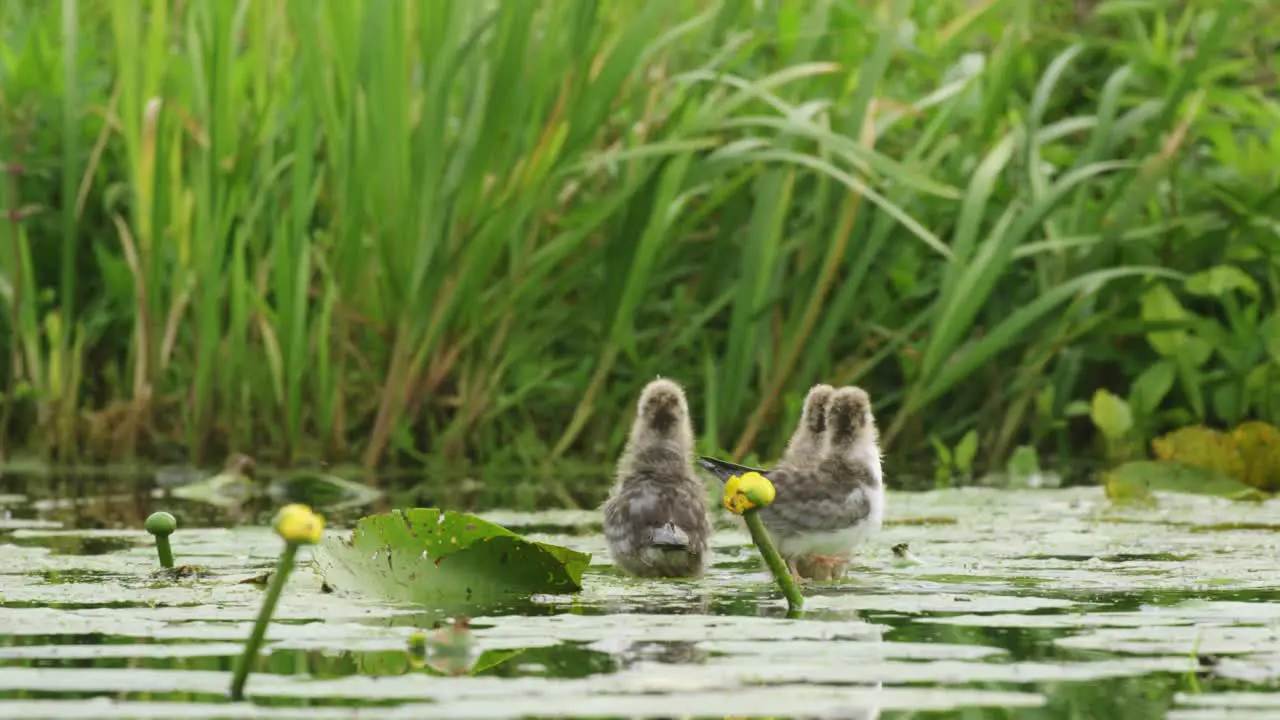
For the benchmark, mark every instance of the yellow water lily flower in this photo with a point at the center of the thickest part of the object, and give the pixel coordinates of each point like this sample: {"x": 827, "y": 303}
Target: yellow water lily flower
{"x": 298, "y": 524}
{"x": 747, "y": 491}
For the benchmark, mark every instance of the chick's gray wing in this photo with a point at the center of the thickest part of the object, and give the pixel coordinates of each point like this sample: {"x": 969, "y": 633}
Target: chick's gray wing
{"x": 809, "y": 500}
{"x": 641, "y": 507}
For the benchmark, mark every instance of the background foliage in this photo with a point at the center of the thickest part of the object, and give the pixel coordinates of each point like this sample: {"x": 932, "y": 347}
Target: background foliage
{"x": 470, "y": 230}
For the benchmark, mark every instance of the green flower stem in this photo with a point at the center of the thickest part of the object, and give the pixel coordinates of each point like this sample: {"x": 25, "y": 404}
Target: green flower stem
{"x": 773, "y": 559}
{"x": 264, "y": 618}
{"x": 165, "y": 552}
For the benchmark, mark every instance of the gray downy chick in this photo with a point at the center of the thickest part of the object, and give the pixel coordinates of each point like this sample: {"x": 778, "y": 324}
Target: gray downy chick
{"x": 804, "y": 449}
{"x": 824, "y": 511}
{"x": 809, "y": 438}
{"x": 655, "y": 519}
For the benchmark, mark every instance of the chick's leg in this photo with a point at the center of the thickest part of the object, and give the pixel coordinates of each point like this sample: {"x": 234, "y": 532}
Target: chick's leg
{"x": 829, "y": 567}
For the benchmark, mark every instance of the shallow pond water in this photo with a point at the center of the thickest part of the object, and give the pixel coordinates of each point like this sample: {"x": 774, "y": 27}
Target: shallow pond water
{"x": 1024, "y": 604}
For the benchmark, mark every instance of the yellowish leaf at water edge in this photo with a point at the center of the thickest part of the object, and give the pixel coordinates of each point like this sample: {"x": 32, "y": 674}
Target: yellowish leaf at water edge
{"x": 1201, "y": 447}
{"x": 1259, "y": 446}
{"x": 1249, "y": 453}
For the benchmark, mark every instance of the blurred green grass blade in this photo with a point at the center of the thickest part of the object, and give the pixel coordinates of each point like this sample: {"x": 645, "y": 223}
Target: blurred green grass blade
{"x": 982, "y": 271}
{"x": 757, "y": 271}
{"x": 1003, "y": 334}
{"x": 849, "y": 181}
{"x": 874, "y": 66}
{"x": 70, "y": 154}
{"x": 866, "y": 160}
{"x": 968, "y": 225}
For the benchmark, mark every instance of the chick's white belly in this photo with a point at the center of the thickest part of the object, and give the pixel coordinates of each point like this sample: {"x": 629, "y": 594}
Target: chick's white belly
{"x": 844, "y": 540}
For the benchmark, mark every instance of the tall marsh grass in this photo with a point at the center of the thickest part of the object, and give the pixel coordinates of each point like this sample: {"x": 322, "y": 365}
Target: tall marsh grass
{"x": 390, "y": 230}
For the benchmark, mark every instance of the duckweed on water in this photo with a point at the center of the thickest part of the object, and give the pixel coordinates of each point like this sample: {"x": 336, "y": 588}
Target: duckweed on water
{"x": 1030, "y": 605}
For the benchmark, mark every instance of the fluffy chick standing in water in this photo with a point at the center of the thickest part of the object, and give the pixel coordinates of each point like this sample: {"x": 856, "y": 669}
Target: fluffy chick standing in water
{"x": 655, "y": 519}
{"x": 805, "y": 448}
{"x": 829, "y": 504}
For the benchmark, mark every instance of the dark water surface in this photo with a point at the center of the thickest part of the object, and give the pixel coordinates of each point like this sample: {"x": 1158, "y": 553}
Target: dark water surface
{"x": 1023, "y": 604}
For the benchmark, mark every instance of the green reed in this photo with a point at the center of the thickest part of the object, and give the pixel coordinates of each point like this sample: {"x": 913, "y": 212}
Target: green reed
{"x": 389, "y": 230}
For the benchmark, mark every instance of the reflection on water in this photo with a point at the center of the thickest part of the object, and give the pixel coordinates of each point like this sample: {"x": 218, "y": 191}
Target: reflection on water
{"x": 93, "y": 498}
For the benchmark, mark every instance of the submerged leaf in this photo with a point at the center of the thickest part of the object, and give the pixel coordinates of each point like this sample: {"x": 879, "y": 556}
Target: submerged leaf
{"x": 426, "y": 555}
{"x": 226, "y": 489}
{"x": 1133, "y": 480}
{"x": 1124, "y": 488}
{"x": 321, "y": 490}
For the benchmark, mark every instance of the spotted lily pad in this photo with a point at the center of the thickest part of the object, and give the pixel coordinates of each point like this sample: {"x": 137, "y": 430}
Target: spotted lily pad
{"x": 429, "y": 556}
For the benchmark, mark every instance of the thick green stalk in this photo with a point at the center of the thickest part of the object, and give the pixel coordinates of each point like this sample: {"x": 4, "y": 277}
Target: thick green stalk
{"x": 264, "y": 618}
{"x": 744, "y": 495}
{"x": 772, "y": 558}
{"x": 164, "y": 550}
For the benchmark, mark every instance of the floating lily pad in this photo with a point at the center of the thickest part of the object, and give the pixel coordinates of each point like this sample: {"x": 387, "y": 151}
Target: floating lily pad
{"x": 1135, "y": 479}
{"x": 428, "y": 556}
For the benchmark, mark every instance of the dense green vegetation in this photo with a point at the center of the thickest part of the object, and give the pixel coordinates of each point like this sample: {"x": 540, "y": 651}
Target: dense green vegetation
{"x": 392, "y": 231}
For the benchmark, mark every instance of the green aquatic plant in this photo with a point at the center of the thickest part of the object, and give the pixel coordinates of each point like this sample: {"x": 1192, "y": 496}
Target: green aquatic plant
{"x": 161, "y": 525}
{"x": 1201, "y": 447}
{"x": 1259, "y": 446}
{"x": 744, "y": 495}
{"x": 952, "y": 462}
{"x": 1135, "y": 481}
{"x": 1114, "y": 419}
{"x": 298, "y": 526}
{"x": 432, "y": 556}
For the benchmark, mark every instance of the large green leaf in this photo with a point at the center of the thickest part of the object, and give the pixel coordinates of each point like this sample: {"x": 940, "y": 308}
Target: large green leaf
{"x": 428, "y": 556}
{"x": 1141, "y": 477}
